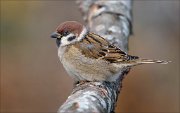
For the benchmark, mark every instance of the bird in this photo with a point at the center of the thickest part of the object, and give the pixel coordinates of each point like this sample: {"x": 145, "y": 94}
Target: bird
{"x": 87, "y": 56}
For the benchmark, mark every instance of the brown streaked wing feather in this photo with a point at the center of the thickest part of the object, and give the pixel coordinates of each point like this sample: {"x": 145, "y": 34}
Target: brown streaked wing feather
{"x": 94, "y": 46}
{"x": 99, "y": 39}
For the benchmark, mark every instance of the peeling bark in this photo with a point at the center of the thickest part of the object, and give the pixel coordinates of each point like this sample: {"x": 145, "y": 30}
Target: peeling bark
{"x": 113, "y": 21}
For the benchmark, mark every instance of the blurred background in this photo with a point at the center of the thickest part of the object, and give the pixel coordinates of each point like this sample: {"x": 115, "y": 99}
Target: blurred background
{"x": 33, "y": 79}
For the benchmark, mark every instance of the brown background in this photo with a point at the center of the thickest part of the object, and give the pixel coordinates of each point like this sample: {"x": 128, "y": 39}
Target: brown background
{"x": 33, "y": 80}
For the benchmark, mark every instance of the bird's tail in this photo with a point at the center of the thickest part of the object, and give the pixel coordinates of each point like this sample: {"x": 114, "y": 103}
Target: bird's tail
{"x": 135, "y": 60}
{"x": 146, "y": 61}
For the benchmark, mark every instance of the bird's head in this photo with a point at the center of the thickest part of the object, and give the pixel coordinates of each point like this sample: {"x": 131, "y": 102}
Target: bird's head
{"x": 69, "y": 32}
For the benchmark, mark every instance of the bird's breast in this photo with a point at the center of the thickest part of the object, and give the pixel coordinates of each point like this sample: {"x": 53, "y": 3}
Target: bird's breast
{"x": 84, "y": 68}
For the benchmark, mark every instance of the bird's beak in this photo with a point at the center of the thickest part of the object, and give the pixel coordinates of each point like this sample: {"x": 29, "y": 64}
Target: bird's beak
{"x": 56, "y": 35}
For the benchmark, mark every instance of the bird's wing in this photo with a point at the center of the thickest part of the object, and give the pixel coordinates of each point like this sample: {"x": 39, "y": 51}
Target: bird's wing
{"x": 94, "y": 46}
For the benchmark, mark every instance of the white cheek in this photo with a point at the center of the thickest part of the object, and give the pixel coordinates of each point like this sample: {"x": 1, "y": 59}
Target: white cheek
{"x": 64, "y": 40}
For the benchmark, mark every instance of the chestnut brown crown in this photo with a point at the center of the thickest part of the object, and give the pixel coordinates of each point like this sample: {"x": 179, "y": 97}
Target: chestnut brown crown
{"x": 70, "y": 26}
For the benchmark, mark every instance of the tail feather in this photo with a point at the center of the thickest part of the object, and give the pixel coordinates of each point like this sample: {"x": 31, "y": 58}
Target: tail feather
{"x": 144, "y": 61}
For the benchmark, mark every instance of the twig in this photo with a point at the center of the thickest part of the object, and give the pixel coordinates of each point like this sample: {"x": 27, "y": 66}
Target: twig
{"x": 112, "y": 20}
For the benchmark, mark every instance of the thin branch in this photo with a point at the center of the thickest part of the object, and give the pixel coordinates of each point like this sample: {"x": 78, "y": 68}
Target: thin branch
{"x": 112, "y": 20}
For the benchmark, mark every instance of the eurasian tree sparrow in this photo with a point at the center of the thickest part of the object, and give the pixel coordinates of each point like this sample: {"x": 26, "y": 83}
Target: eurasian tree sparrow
{"x": 88, "y": 56}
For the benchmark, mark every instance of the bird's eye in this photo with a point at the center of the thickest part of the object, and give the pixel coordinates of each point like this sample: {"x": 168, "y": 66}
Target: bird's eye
{"x": 65, "y": 33}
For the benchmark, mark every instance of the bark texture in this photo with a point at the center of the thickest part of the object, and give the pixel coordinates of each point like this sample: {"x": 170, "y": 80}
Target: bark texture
{"x": 111, "y": 19}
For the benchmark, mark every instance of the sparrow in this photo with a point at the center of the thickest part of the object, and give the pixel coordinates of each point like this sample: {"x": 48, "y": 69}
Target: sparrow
{"x": 86, "y": 56}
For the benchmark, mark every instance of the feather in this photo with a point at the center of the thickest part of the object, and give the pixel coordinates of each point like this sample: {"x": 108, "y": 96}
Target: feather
{"x": 95, "y": 46}
{"x": 144, "y": 61}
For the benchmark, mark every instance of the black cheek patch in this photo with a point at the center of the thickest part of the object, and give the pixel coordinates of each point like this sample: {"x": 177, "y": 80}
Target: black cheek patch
{"x": 71, "y": 38}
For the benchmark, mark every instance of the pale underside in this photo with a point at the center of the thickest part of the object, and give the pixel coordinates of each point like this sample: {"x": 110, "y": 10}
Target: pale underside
{"x": 91, "y": 61}
{"x": 83, "y": 68}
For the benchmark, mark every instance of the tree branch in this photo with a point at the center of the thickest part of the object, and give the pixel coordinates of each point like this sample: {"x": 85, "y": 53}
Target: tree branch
{"x": 112, "y": 20}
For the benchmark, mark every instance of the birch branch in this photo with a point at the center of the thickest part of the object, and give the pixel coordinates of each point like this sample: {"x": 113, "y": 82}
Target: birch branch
{"x": 112, "y": 20}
